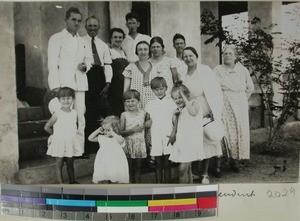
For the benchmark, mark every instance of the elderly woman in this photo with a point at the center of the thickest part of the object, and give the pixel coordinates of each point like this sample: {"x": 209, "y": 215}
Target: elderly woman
{"x": 237, "y": 87}
{"x": 204, "y": 86}
{"x": 119, "y": 63}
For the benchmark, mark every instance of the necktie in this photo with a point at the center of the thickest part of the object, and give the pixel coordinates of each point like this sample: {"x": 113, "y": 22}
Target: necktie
{"x": 95, "y": 53}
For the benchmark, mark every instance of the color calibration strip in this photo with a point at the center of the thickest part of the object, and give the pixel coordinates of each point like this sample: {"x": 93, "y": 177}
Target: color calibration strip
{"x": 134, "y": 204}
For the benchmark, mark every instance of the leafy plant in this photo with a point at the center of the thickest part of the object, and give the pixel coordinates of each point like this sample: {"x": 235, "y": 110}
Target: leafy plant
{"x": 256, "y": 53}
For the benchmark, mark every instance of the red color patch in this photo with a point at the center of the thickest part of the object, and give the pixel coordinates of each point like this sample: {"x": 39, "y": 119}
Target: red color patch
{"x": 207, "y": 202}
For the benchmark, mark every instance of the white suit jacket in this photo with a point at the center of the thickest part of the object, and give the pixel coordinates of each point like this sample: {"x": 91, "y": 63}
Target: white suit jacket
{"x": 65, "y": 52}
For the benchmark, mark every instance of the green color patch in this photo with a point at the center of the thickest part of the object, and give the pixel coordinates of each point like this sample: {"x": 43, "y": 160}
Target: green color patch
{"x": 120, "y": 203}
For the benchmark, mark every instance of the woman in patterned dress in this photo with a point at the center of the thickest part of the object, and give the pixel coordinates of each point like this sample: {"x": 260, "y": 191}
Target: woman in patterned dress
{"x": 237, "y": 87}
{"x": 138, "y": 75}
{"x": 162, "y": 65}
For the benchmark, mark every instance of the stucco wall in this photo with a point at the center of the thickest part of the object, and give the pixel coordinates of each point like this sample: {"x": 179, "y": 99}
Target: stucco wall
{"x": 169, "y": 18}
{"x": 117, "y": 12}
{"x": 210, "y": 53}
{"x": 8, "y": 100}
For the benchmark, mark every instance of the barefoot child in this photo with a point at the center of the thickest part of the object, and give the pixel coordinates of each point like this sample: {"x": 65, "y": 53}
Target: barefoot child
{"x": 110, "y": 163}
{"x": 64, "y": 143}
{"x": 187, "y": 134}
{"x": 133, "y": 123}
{"x": 161, "y": 112}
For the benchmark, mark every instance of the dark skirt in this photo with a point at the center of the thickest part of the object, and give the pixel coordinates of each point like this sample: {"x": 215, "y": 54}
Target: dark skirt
{"x": 117, "y": 86}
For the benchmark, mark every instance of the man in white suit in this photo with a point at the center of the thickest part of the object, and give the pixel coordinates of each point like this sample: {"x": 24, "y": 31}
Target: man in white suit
{"x": 68, "y": 62}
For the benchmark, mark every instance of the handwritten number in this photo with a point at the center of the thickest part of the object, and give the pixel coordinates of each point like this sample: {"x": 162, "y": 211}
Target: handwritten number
{"x": 277, "y": 194}
{"x": 293, "y": 191}
{"x": 285, "y": 192}
{"x": 270, "y": 194}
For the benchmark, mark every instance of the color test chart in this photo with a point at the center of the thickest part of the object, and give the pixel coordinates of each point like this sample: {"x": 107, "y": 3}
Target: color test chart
{"x": 134, "y": 204}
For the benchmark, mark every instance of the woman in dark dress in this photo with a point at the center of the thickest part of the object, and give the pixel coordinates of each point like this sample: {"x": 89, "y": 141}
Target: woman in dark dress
{"x": 119, "y": 62}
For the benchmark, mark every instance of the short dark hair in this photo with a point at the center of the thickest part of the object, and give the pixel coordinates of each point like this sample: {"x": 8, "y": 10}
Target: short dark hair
{"x": 178, "y": 86}
{"x": 178, "y": 36}
{"x": 142, "y": 42}
{"x": 192, "y": 50}
{"x": 131, "y": 93}
{"x": 72, "y": 10}
{"x": 92, "y": 17}
{"x": 132, "y": 15}
{"x": 158, "y": 82}
{"x": 111, "y": 31}
{"x": 66, "y": 92}
{"x": 158, "y": 40}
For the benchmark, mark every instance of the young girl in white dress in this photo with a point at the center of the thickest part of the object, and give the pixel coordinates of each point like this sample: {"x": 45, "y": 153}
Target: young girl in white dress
{"x": 187, "y": 134}
{"x": 64, "y": 143}
{"x": 134, "y": 121}
{"x": 161, "y": 111}
{"x": 110, "y": 163}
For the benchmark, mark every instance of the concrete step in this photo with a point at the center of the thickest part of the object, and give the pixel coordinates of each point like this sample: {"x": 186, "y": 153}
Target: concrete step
{"x": 32, "y": 148}
{"x": 30, "y": 129}
{"x": 42, "y": 171}
{"x": 30, "y": 113}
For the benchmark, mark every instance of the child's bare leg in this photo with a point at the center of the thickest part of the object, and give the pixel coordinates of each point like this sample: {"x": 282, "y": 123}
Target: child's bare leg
{"x": 205, "y": 164}
{"x": 183, "y": 172}
{"x": 167, "y": 168}
{"x": 190, "y": 174}
{"x": 70, "y": 170}
{"x": 59, "y": 165}
{"x": 158, "y": 169}
{"x": 137, "y": 170}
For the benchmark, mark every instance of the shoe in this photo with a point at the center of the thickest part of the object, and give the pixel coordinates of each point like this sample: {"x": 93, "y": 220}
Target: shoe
{"x": 234, "y": 165}
{"x": 205, "y": 179}
{"x": 74, "y": 182}
{"x": 217, "y": 174}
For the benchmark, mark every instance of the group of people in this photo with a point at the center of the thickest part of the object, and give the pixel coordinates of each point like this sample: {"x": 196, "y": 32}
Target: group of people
{"x": 136, "y": 103}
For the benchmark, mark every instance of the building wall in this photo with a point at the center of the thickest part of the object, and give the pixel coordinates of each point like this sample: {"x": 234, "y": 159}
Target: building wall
{"x": 117, "y": 12}
{"x": 9, "y": 151}
{"x": 210, "y": 53}
{"x": 169, "y": 18}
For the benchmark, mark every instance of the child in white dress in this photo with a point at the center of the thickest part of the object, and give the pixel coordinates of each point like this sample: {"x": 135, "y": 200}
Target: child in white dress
{"x": 110, "y": 163}
{"x": 64, "y": 143}
{"x": 187, "y": 134}
{"x": 134, "y": 121}
{"x": 161, "y": 111}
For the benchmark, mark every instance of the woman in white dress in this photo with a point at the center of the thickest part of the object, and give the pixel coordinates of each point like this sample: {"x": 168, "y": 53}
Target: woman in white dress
{"x": 204, "y": 87}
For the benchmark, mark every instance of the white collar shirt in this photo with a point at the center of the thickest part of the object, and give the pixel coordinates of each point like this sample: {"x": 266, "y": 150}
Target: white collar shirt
{"x": 129, "y": 45}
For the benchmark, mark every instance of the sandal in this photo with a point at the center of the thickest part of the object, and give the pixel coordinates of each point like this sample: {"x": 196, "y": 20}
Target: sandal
{"x": 205, "y": 179}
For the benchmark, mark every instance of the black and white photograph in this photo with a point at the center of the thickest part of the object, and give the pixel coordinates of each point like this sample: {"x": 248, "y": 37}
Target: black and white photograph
{"x": 149, "y": 92}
